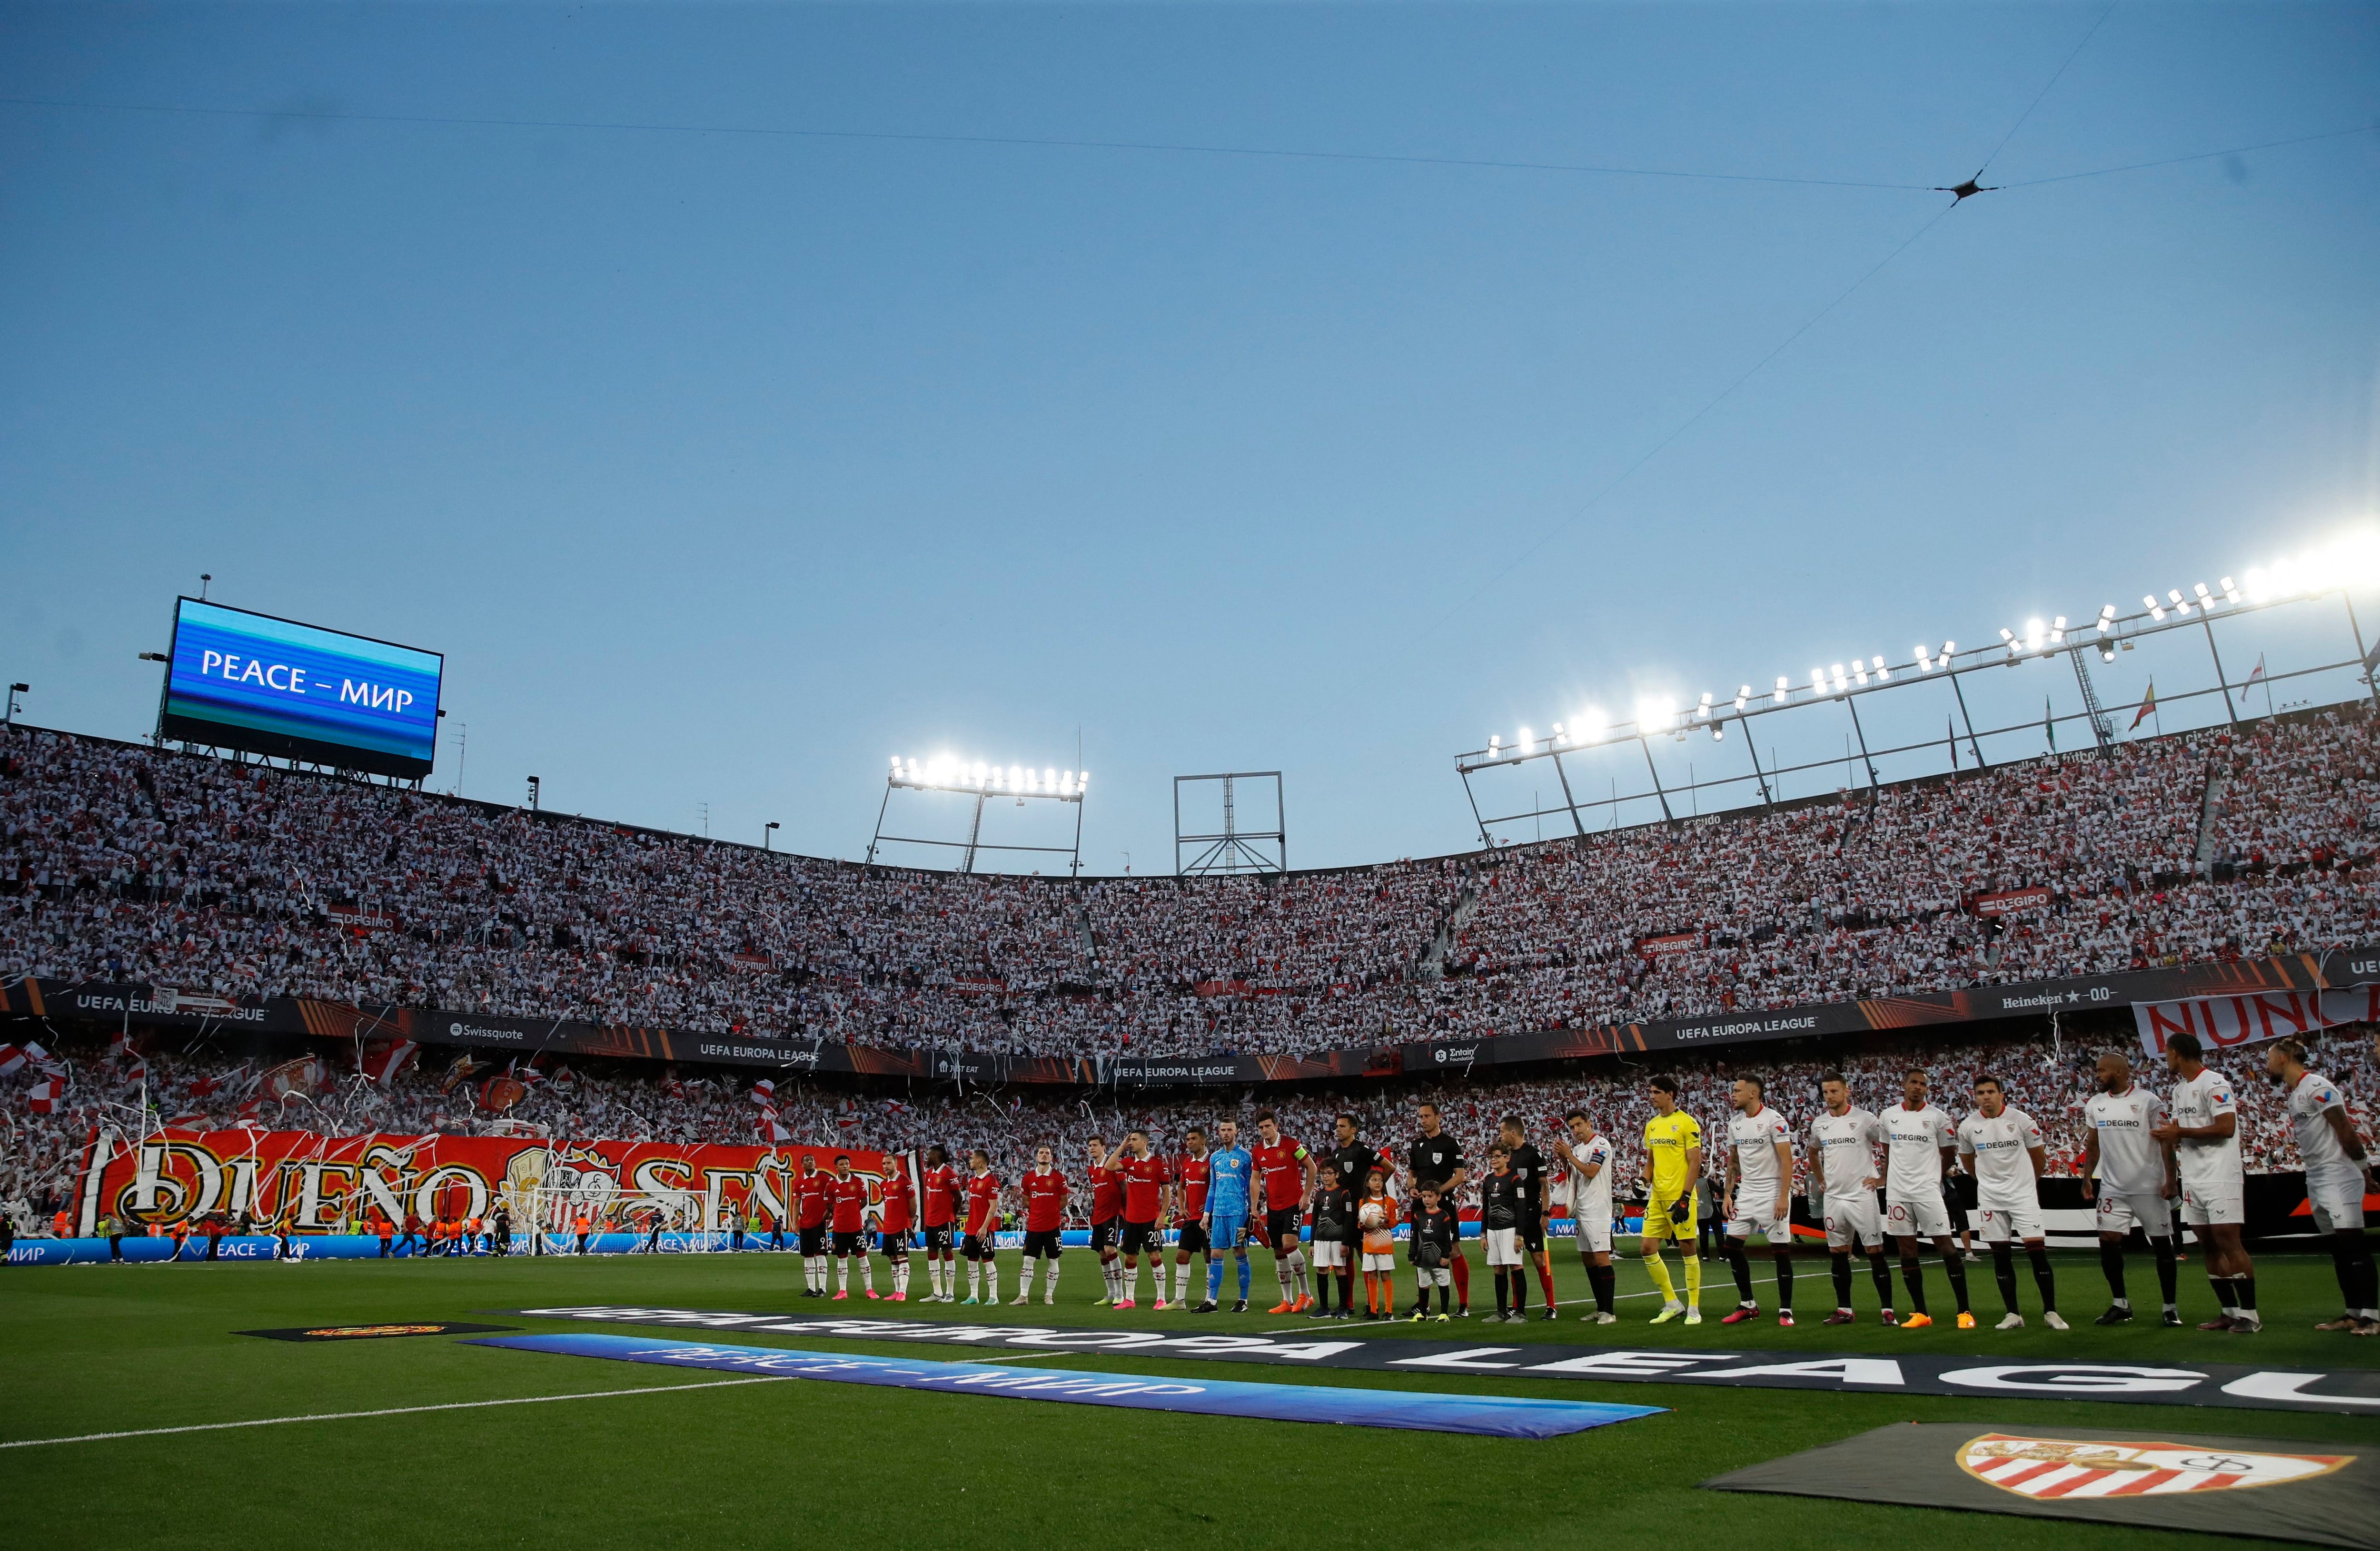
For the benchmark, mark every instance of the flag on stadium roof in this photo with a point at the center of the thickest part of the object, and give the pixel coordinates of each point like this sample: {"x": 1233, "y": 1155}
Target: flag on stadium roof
{"x": 2148, "y": 707}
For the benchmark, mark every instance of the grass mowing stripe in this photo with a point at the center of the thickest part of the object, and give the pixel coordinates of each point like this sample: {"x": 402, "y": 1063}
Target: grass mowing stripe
{"x": 392, "y": 1410}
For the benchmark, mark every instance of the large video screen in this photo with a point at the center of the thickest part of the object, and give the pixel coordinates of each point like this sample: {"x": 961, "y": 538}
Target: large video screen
{"x": 270, "y": 686}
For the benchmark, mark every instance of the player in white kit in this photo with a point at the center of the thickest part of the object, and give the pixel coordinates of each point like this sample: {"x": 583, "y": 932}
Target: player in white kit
{"x": 2007, "y": 1157}
{"x": 1841, "y": 1161}
{"x": 1919, "y": 1145}
{"x": 1759, "y": 1197}
{"x": 2135, "y": 1174}
{"x": 1586, "y": 1157}
{"x": 2203, "y": 1129}
{"x": 2337, "y": 1171}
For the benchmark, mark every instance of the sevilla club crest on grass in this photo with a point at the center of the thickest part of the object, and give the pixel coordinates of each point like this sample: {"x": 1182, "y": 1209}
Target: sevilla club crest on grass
{"x": 2040, "y": 1467}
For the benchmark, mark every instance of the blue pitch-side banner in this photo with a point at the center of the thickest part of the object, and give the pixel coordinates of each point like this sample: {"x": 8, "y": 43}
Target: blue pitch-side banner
{"x": 1492, "y": 1415}
{"x": 272, "y": 686}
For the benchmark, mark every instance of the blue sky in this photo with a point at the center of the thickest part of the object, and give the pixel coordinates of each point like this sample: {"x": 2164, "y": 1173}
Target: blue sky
{"x": 723, "y": 464}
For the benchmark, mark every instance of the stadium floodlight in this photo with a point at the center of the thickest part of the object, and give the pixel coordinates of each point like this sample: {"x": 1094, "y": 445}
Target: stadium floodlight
{"x": 1817, "y": 681}
{"x": 1589, "y": 725}
{"x": 2206, "y": 599}
{"x": 1719, "y": 729}
{"x": 2108, "y": 619}
{"x": 2180, "y": 604}
{"x": 1702, "y": 711}
{"x": 1950, "y": 649}
{"x": 1924, "y": 658}
{"x": 2057, "y": 631}
{"x": 2015, "y": 646}
{"x": 2036, "y": 635}
{"x": 1521, "y": 745}
{"x": 2230, "y": 591}
{"x": 1842, "y": 683}
{"x": 1784, "y": 687}
{"x": 1859, "y": 672}
{"x": 1744, "y": 696}
{"x": 1654, "y": 714}
{"x": 2156, "y": 610}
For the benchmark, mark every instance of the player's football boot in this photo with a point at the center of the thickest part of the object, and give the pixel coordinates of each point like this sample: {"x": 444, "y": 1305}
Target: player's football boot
{"x": 873, "y": 1294}
{"x": 1740, "y": 1312}
{"x": 2220, "y": 1322}
{"x": 841, "y": 1296}
{"x": 1161, "y": 1305}
{"x": 1550, "y": 1313}
{"x": 1206, "y": 1307}
{"x": 1785, "y": 1318}
{"x": 1917, "y": 1322}
{"x": 2344, "y": 1322}
{"x": 2054, "y": 1320}
{"x": 1966, "y": 1320}
{"x": 1602, "y": 1316}
{"x": 1441, "y": 1319}
{"x": 1840, "y": 1316}
{"x": 1126, "y": 1304}
{"x": 2248, "y": 1325}
{"x": 2366, "y": 1327}
{"x": 1239, "y": 1305}
{"x": 1693, "y": 1316}
{"x": 969, "y": 1298}
{"x": 1025, "y": 1297}
{"x": 2170, "y": 1319}
{"x": 1304, "y": 1301}
{"x": 1419, "y": 1314}
{"x": 2010, "y": 1322}
{"x": 1889, "y": 1318}
{"x": 898, "y": 1297}
{"x": 2118, "y": 1313}
{"x": 1284, "y": 1306}
{"x": 1669, "y": 1311}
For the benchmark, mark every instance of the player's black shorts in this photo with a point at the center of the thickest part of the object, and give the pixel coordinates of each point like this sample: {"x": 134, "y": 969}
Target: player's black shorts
{"x": 938, "y": 1240}
{"x": 1142, "y": 1238}
{"x": 814, "y": 1240}
{"x": 892, "y": 1246}
{"x": 1103, "y": 1234}
{"x": 850, "y": 1244}
{"x": 1533, "y": 1232}
{"x": 972, "y": 1247}
{"x": 1282, "y": 1228}
{"x": 1042, "y": 1244}
{"x": 1194, "y": 1239}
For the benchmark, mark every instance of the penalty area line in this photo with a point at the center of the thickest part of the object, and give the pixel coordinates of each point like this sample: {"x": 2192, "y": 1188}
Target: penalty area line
{"x": 395, "y": 1411}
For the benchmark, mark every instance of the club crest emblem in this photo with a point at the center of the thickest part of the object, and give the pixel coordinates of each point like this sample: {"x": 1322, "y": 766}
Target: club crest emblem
{"x": 2050, "y": 1468}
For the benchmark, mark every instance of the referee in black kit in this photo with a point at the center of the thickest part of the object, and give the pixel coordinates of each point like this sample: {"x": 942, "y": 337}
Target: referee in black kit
{"x": 1434, "y": 1160}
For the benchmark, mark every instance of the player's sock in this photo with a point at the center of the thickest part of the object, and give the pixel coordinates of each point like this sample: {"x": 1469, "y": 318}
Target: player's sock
{"x": 1739, "y": 1262}
{"x": 1520, "y": 1289}
{"x": 2225, "y": 1294}
{"x": 1546, "y": 1278}
{"x": 901, "y": 1280}
{"x": 1881, "y": 1274}
{"x": 2043, "y": 1276}
{"x": 1322, "y": 1291}
{"x": 1281, "y": 1273}
{"x": 2168, "y": 1268}
{"x": 1658, "y": 1269}
{"x": 1605, "y": 1282}
{"x": 1843, "y": 1273}
{"x": 1214, "y": 1281}
{"x": 1131, "y": 1282}
{"x": 1462, "y": 1269}
{"x": 1913, "y": 1273}
{"x": 1955, "y": 1267}
{"x": 1693, "y": 1281}
{"x": 2111, "y": 1266}
{"x": 842, "y": 1273}
{"x": 1346, "y": 1287}
{"x": 1298, "y": 1279}
{"x": 867, "y": 1275}
{"x": 1502, "y": 1282}
{"x": 1784, "y": 1258}
{"x": 2246, "y": 1289}
{"x": 1050, "y": 1278}
{"x": 1247, "y": 1273}
{"x": 2004, "y": 1272}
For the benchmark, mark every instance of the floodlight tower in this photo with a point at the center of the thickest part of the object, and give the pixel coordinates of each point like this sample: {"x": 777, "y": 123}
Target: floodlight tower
{"x": 1233, "y": 849}
{"x": 982, "y": 781}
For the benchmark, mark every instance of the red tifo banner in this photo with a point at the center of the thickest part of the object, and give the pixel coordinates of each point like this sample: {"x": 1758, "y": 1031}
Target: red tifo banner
{"x": 319, "y": 1183}
{"x": 2252, "y": 1017}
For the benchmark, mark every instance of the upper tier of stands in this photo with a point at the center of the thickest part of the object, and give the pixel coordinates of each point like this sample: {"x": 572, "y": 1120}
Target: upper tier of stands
{"x": 121, "y": 862}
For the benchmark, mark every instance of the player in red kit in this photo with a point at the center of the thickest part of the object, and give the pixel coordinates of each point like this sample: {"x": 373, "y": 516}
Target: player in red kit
{"x": 1190, "y": 1175}
{"x": 937, "y": 1213}
{"x": 1044, "y": 1189}
{"x": 810, "y": 1206}
{"x": 849, "y": 1194}
{"x": 1145, "y": 1178}
{"x": 1287, "y": 1171}
{"x": 982, "y": 1222}
{"x": 892, "y": 1221}
{"x": 1107, "y": 1209}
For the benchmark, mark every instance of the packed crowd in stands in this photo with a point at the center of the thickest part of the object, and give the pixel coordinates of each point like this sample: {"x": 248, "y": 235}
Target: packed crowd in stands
{"x": 125, "y": 862}
{"x": 628, "y": 1102}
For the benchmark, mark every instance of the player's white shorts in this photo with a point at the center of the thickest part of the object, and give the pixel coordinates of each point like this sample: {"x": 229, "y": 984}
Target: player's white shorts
{"x": 1920, "y": 1217}
{"x": 1750, "y": 1219}
{"x": 1379, "y": 1262}
{"x": 2203, "y": 1209}
{"x": 1328, "y": 1255}
{"x": 1503, "y": 1246}
{"x": 2122, "y": 1211}
{"x": 2000, "y": 1224}
{"x": 1851, "y": 1218}
{"x": 2336, "y": 1199}
{"x": 1594, "y": 1232}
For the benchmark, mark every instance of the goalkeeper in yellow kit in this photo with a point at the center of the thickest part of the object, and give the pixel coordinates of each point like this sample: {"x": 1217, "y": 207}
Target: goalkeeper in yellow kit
{"x": 1673, "y": 1150}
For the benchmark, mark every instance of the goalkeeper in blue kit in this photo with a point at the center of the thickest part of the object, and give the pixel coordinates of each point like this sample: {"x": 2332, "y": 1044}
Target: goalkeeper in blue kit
{"x": 1229, "y": 1192}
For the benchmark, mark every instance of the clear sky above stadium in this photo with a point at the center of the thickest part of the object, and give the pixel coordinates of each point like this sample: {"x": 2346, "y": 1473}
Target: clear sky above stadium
{"x": 740, "y": 395}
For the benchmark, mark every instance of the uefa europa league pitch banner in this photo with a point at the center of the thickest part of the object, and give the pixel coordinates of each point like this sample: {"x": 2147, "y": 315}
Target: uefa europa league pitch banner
{"x": 321, "y": 1183}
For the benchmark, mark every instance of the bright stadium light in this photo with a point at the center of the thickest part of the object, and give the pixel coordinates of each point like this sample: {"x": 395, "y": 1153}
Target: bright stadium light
{"x": 2206, "y": 599}
{"x": 1589, "y": 724}
{"x": 2180, "y": 604}
{"x": 944, "y": 773}
{"x": 2036, "y": 635}
{"x": 1817, "y": 681}
{"x": 2230, "y": 591}
{"x": 1859, "y": 672}
{"x": 2057, "y": 631}
{"x": 2107, "y": 618}
{"x": 2015, "y": 646}
{"x": 1882, "y": 674}
{"x": 1784, "y": 687}
{"x": 1520, "y": 744}
{"x": 1742, "y": 696}
{"x": 1654, "y": 714}
{"x": 1841, "y": 684}
{"x": 2156, "y": 610}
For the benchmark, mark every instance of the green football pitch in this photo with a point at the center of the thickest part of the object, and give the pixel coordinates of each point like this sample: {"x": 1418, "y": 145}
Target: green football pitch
{"x": 117, "y": 1349}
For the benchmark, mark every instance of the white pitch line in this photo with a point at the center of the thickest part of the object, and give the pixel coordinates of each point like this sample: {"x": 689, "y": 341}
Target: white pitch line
{"x": 395, "y": 1411}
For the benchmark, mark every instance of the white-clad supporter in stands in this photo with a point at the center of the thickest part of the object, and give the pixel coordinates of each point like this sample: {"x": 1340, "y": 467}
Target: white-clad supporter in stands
{"x": 2202, "y": 1127}
{"x": 1920, "y": 1145}
{"x": 2008, "y": 1157}
{"x": 2135, "y": 1171}
{"x": 1842, "y": 1161}
{"x": 2337, "y": 1172}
